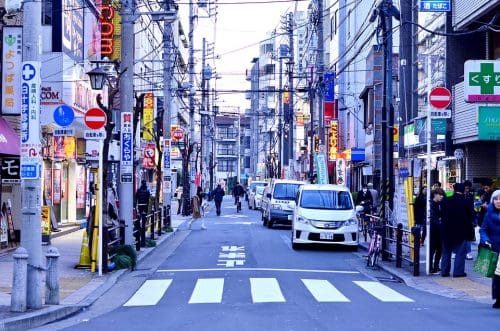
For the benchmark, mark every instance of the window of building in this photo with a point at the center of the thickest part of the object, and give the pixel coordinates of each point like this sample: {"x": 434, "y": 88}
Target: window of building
{"x": 226, "y": 132}
{"x": 225, "y": 149}
{"x": 226, "y": 165}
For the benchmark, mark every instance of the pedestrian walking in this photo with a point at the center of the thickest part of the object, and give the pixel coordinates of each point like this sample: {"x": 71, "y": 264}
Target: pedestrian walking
{"x": 142, "y": 197}
{"x": 488, "y": 190}
{"x": 490, "y": 236}
{"x": 218, "y": 195}
{"x": 198, "y": 213}
{"x": 435, "y": 233}
{"x": 456, "y": 225}
{"x": 112, "y": 197}
{"x": 374, "y": 194}
{"x": 178, "y": 194}
{"x": 469, "y": 198}
{"x": 420, "y": 212}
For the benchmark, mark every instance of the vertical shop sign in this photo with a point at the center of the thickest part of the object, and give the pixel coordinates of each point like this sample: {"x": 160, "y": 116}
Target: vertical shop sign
{"x": 10, "y": 170}
{"x": 333, "y": 140}
{"x": 321, "y": 168}
{"x": 80, "y": 186}
{"x": 11, "y": 69}
{"x": 127, "y": 156}
{"x": 56, "y": 186}
{"x": 341, "y": 171}
{"x": 149, "y": 156}
{"x": 31, "y": 160}
{"x": 329, "y": 99}
{"x": 149, "y": 105}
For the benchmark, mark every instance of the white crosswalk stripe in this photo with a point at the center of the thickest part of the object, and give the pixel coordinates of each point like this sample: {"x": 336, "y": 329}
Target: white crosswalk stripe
{"x": 382, "y": 292}
{"x": 324, "y": 291}
{"x": 149, "y": 293}
{"x": 265, "y": 290}
{"x": 208, "y": 291}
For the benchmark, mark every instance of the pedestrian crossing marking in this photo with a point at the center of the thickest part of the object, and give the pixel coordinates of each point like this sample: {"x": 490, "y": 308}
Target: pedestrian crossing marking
{"x": 382, "y": 292}
{"x": 207, "y": 290}
{"x": 324, "y": 291}
{"x": 266, "y": 290}
{"x": 149, "y": 293}
{"x": 263, "y": 290}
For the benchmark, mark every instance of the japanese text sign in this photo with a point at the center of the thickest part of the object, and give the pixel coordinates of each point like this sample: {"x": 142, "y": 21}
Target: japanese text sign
{"x": 11, "y": 69}
{"x": 482, "y": 81}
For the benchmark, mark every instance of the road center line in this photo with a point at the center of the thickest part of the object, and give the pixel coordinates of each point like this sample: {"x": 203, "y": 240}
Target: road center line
{"x": 262, "y": 269}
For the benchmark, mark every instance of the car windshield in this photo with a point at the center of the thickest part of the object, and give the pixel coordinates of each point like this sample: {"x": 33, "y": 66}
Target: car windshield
{"x": 322, "y": 199}
{"x": 253, "y": 186}
{"x": 284, "y": 191}
{"x": 259, "y": 189}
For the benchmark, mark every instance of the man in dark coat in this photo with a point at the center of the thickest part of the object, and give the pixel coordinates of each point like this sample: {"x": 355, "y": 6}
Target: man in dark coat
{"x": 218, "y": 195}
{"x": 364, "y": 197}
{"x": 488, "y": 190}
{"x": 142, "y": 197}
{"x": 456, "y": 225}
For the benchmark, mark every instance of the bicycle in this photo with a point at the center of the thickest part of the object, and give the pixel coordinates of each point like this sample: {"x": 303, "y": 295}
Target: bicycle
{"x": 238, "y": 204}
{"x": 375, "y": 248}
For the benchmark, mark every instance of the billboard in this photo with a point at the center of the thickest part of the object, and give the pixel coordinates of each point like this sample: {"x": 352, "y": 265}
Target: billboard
{"x": 149, "y": 121}
{"x": 72, "y": 29}
{"x": 489, "y": 123}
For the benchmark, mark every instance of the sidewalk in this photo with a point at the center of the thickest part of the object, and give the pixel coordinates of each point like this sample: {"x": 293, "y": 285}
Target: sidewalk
{"x": 79, "y": 288}
{"x": 473, "y": 287}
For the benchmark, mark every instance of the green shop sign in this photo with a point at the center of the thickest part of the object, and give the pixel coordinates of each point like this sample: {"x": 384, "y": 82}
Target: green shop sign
{"x": 489, "y": 123}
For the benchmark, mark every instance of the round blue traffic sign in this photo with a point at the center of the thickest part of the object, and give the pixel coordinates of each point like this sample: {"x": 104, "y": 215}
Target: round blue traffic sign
{"x": 64, "y": 115}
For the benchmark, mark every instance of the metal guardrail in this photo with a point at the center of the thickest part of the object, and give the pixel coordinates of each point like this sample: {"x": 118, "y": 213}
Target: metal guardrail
{"x": 397, "y": 243}
{"x": 147, "y": 223}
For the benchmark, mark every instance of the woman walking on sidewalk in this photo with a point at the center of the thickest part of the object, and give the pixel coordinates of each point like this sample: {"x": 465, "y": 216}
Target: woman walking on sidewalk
{"x": 490, "y": 236}
{"x": 197, "y": 209}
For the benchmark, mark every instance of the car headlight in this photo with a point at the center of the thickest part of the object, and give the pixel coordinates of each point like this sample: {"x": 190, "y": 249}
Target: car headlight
{"x": 276, "y": 206}
{"x": 303, "y": 220}
{"x": 351, "y": 221}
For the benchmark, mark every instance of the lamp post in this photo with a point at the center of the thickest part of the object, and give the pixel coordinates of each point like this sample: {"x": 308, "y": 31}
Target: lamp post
{"x": 97, "y": 78}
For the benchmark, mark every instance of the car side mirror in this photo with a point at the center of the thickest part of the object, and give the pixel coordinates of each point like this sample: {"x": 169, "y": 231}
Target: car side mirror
{"x": 290, "y": 217}
{"x": 268, "y": 195}
{"x": 359, "y": 209}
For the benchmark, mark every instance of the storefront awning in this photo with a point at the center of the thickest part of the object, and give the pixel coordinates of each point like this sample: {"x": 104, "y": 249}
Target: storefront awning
{"x": 9, "y": 141}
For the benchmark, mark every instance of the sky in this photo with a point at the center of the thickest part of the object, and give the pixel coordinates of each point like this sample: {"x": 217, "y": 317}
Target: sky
{"x": 239, "y": 26}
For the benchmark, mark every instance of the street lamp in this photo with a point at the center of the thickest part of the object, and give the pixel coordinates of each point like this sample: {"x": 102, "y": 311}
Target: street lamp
{"x": 97, "y": 78}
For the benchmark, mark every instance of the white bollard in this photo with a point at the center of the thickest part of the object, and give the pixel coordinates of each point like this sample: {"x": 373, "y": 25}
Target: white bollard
{"x": 52, "y": 277}
{"x": 19, "y": 281}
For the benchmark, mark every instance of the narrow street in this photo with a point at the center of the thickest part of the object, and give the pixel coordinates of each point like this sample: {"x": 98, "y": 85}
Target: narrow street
{"x": 241, "y": 275}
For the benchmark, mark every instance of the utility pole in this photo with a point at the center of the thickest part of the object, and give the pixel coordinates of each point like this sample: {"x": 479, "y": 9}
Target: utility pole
{"x": 311, "y": 126}
{"x": 188, "y": 187}
{"x": 291, "y": 113}
{"x": 31, "y": 236}
{"x": 280, "y": 113}
{"x": 320, "y": 60}
{"x": 203, "y": 106}
{"x": 167, "y": 113}
{"x": 238, "y": 147}
{"x": 126, "y": 187}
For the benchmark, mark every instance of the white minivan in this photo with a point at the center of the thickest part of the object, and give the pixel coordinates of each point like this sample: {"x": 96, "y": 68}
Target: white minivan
{"x": 324, "y": 214}
{"x": 275, "y": 201}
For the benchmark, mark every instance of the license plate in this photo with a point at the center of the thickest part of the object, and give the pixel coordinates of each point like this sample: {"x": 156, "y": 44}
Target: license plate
{"x": 326, "y": 236}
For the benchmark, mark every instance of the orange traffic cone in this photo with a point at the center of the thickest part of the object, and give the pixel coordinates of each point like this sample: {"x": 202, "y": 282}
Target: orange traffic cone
{"x": 84, "y": 253}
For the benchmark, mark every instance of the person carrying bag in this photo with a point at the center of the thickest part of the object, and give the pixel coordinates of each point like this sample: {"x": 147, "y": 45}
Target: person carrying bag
{"x": 490, "y": 237}
{"x": 486, "y": 261}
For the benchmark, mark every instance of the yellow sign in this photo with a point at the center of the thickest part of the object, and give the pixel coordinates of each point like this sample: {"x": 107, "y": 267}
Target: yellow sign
{"x": 299, "y": 119}
{"x": 45, "y": 220}
{"x": 395, "y": 132}
{"x": 333, "y": 140}
{"x": 149, "y": 108}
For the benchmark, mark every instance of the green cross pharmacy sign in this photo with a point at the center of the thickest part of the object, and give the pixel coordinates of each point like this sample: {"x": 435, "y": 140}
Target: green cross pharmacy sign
{"x": 482, "y": 81}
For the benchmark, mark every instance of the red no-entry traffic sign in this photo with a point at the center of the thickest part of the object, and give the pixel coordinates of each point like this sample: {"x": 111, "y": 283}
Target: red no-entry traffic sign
{"x": 440, "y": 97}
{"x": 95, "y": 118}
{"x": 178, "y": 134}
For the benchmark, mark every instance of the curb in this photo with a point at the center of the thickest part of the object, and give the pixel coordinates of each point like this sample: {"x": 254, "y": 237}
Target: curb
{"x": 53, "y": 313}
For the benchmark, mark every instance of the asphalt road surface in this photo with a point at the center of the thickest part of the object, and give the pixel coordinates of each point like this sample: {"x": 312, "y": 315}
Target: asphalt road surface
{"x": 240, "y": 275}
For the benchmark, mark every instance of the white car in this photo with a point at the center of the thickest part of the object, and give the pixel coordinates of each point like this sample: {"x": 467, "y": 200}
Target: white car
{"x": 324, "y": 214}
{"x": 255, "y": 198}
{"x": 277, "y": 196}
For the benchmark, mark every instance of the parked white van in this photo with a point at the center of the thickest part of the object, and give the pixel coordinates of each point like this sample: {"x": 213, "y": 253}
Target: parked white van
{"x": 324, "y": 214}
{"x": 276, "y": 199}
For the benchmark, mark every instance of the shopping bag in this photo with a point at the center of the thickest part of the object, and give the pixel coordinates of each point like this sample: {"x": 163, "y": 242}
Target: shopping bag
{"x": 486, "y": 262}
